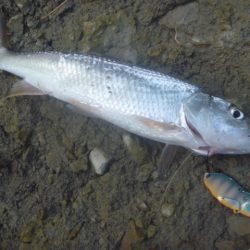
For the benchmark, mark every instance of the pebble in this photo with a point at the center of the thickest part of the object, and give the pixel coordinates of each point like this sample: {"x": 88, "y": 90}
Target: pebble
{"x": 144, "y": 172}
{"x": 151, "y": 231}
{"x": 21, "y": 3}
{"x": 137, "y": 150}
{"x": 181, "y": 15}
{"x": 155, "y": 175}
{"x": 133, "y": 236}
{"x": 127, "y": 140}
{"x": 167, "y": 209}
{"x": 99, "y": 161}
{"x": 138, "y": 223}
{"x": 143, "y": 206}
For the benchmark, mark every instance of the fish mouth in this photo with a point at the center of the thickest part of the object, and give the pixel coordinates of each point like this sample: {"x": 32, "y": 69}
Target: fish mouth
{"x": 193, "y": 129}
{"x": 204, "y": 148}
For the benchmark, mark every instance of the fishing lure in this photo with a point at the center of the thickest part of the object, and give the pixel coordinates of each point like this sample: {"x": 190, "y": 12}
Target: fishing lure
{"x": 228, "y": 192}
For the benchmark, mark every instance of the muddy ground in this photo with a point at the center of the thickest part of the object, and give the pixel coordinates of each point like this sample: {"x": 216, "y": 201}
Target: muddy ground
{"x": 50, "y": 196}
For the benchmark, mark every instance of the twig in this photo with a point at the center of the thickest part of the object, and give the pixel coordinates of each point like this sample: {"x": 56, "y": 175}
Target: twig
{"x": 55, "y": 9}
{"x": 173, "y": 176}
{"x": 175, "y": 37}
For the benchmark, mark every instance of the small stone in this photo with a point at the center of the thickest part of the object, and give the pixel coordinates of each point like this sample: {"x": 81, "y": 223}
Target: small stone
{"x": 99, "y": 161}
{"x": 31, "y": 22}
{"x": 167, "y": 209}
{"x": 143, "y": 206}
{"x": 137, "y": 150}
{"x": 181, "y": 15}
{"x": 132, "y": 236}
{"x": 127, "y": 139}
{"x": 151, "y": 231}
{"x": 155, "y": 175}
{"x": 138, "y": 223}
{"x": 21, "y": 3}
{"x": 144, "y": 172}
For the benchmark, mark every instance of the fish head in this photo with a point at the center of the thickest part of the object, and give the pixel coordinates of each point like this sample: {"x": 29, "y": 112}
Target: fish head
{"x": 213, "y": 181}
{"x": 219, "y": 125}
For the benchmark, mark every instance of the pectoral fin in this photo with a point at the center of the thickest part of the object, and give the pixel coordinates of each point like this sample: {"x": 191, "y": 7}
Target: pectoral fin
{"x": 166, "y": 159}
{"x": 23, "y": 88}
{"x": 160, "y": 126}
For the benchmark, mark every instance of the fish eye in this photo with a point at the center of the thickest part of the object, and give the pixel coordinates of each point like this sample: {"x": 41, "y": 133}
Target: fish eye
{"x": 236, "y": 113}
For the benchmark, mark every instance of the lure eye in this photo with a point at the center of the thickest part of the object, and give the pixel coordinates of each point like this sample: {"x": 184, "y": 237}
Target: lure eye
{"x": 207, "y": 175}
{"x": 236, "y": 113}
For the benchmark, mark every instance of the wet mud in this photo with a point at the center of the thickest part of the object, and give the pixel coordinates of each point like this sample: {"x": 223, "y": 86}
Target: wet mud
{"x": 50, "y": 194}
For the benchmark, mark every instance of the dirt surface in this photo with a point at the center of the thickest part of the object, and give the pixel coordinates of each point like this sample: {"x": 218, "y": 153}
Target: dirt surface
{"x": 50, "y": 196}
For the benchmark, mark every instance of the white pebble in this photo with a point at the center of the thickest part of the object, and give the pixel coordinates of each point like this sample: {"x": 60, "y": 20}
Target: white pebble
{"x": 127, "y": 140}
{"x": 99, "y": 161}
{"x": 167, "y": 209}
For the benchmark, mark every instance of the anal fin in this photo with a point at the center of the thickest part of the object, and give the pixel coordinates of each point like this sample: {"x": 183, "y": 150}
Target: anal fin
{"x": 24, "y": 88}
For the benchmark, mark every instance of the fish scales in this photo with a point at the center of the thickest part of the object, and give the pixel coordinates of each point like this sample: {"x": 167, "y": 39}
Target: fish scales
{"x": 127, "y": 89}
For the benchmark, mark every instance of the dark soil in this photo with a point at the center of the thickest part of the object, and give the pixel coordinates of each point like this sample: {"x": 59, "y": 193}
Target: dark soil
{"x": 50, "y": 196}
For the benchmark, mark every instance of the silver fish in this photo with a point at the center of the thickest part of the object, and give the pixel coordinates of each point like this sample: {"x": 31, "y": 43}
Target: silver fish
{"x": 144, "y": 102}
